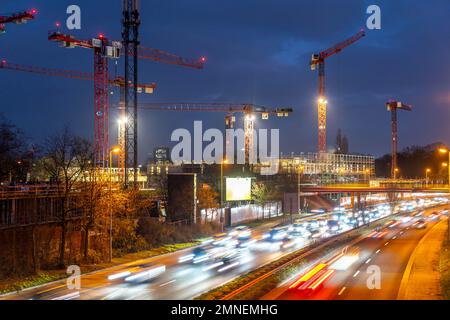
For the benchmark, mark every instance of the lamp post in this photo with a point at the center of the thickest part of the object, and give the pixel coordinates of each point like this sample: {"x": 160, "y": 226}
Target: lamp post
{"x": 367, "y": 176}
{"x": 114, "y": 150}
{"x": 396, "y": 171}
{"x": 222, "y": 202}
{"x": 427, "y": 172}
{"x": 300, "y": 169}
{"x": 447, "y": 151}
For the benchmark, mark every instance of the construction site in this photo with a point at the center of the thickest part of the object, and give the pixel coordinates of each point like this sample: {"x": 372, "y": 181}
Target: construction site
{"x": 241, "y": 175}
{"x": 116, "y": 152}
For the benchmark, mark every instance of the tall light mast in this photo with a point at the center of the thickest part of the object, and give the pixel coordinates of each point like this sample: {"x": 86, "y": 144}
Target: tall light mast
{"x": 130, "y": 36}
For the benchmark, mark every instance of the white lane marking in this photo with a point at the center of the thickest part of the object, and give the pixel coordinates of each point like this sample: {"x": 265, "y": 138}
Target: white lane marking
{"x": 378, "y": 251}
{"x": 356, "y": 274}
{"x": 368, "y": 261}
{"x": 167, "y": 283}
{"x": 342, "y": 291}
{"x": 386, "y": 243}
{"x": 395, "y": 237}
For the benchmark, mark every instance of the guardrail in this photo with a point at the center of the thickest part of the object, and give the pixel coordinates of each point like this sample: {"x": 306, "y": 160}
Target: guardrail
{"x": 28, "y": 190}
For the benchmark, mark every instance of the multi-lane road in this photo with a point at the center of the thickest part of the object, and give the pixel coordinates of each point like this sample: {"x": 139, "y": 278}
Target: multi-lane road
{"x": 179, "y": 282}
{"x": 186, "y": 281}
{"x": 388, "y": 251}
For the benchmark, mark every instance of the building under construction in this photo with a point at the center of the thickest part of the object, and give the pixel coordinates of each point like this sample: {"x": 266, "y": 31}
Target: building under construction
{"x": 329, "y": 168}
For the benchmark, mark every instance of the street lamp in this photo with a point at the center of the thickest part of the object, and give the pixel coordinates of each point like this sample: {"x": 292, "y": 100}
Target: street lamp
{"x": 447, "y": 152}
{"x": 300, "y": 170}
{"x": 367, "y": 175}
{"x": 427, "y": 172}
{"x": 396, "y": 171}
{"x": 224, "y": 161}
{"x": 114, "y": 150}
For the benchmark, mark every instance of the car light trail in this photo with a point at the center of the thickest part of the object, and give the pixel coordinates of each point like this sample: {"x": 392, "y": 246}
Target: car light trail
{"x": 308, "y": 275}
{"x": 119, "y": 275}
{"x": 213, "y": 266}
{"x": 322, "y": 279}
{"x": 229, "y": 267}
{"x": 342, "y": 291}
{"x": 69, "y": 296}
{"x": 167, "y": 283}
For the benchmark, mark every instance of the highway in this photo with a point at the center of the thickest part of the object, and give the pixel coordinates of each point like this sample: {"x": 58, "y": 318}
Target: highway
{"x": 178, "y": 282}
{"x": 185, "y": 281}
{"x": 390, "y": 252}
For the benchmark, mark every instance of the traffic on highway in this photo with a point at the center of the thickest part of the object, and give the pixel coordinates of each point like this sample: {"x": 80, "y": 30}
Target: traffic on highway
{"x": 188, "y": 273}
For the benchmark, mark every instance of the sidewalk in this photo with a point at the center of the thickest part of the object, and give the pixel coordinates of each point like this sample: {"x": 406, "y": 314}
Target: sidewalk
{"x": 421, "y": 280}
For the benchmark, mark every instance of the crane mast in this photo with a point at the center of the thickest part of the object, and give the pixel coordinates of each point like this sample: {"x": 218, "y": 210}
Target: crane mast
{"x": 130, "y": 37}
{"x": 103, "y": 51}
{"x": 318, "y": 62}
{"x": 393, "y": 106}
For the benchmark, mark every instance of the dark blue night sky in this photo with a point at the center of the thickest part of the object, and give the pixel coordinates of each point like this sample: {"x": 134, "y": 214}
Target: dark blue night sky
{"x": 259, "y": 52}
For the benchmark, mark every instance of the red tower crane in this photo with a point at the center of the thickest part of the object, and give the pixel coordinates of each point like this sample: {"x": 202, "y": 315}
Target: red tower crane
{"x": 393, "y": 106}
{"x": 318, "y": 61}
{"x": 18, "y": 18}
{"x": 104, "y": 50}
{"x": 116, "y": 82}
{"x": 249, "y": 111}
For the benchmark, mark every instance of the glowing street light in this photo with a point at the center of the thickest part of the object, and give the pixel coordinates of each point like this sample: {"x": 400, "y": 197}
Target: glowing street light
{"x": 300, "y": 171}
{"x": 224, "y": 161}
{"x": 447, "y": 151}
{"x": 114, "y": 150}
{"x": 427, "y": 172}
{"x": 396, "y": 171}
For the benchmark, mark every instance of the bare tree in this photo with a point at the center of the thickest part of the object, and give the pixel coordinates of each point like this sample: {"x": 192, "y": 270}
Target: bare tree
{"x": 66, "y": 159}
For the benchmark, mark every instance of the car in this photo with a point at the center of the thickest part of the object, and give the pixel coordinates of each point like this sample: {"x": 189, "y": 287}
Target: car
{"x": 333, "y": 226}
{"x": 392, "y": 224}
{"x": 434, "y": 216}
{"x": 421, "y": 224}
{"x": 278, "y": 234}
{"x": 222, "y": 240}
{"x": 298, "y": 229}
{"x": 228, "y": 260}
{"x": 140, "y": 273}
{"x": 241, "y": 233}
{"x": 316, "y": 234}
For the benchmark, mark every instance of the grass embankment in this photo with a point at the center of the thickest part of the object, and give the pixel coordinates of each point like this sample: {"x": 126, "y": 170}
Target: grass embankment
{"x": 14, "y": 285}
{"x": 445, "y": 270}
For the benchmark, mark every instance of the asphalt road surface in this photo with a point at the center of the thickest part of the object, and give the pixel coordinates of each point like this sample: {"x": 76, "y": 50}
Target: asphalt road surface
{"x": 390, "y": 252}
{"x": 179, "y": 282}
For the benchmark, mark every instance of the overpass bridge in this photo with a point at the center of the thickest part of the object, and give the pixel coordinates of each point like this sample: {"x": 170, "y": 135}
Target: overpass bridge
{"x": 369, "y": 189}
{"x": 26, "y": 205}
